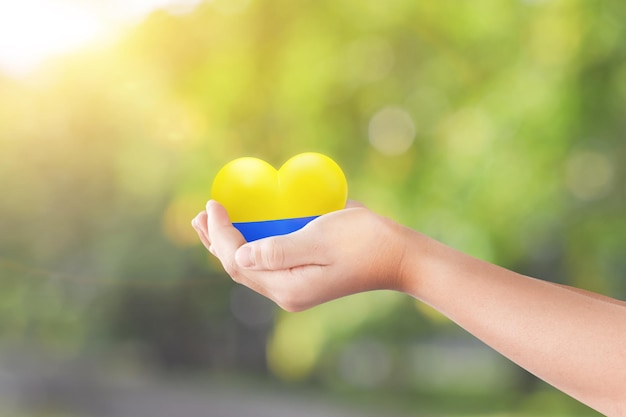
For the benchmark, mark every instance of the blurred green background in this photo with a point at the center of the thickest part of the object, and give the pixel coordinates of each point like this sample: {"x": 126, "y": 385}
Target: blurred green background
{"x": 496, "y": 127}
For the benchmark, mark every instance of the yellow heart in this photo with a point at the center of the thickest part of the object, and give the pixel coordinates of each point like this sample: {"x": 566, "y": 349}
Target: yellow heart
{"x": 308, "y": 184}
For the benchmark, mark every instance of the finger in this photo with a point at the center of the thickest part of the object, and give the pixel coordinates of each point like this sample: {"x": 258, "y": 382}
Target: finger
{"x": 199, "y": 224}
{"x": 297, "y": 249}
{"x": 224, "y": 238}
{"x": 205, "y": 241}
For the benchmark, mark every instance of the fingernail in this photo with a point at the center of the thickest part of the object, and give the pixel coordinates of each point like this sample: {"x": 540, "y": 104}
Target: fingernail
{"x": 209, "y": 204}
{"x": 194, "y": 223}
{"x": 243, "y": 257}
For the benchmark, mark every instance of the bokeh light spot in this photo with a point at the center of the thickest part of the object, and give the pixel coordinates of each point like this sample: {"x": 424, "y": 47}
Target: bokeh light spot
{"x": 589, "y": 175}
{"x": 250, "y": 308}
{"x": 391, "y": 131}
{"x": 365, "y": 363}
{"x": 370, "y": 59}
{"x": 295, "y": 346}
{"x": 177, "y": 218}
{"x": 468, "y": 132}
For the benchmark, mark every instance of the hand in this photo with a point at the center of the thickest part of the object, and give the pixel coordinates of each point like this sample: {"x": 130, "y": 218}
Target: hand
{"x": 338, "y": 254}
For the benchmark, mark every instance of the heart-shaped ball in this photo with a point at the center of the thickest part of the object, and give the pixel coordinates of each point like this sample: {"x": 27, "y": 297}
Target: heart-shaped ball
{"x": 255, "y": 194}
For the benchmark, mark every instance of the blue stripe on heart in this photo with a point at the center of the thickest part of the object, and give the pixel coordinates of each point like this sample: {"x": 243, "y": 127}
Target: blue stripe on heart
{"x": 258, "y": 230}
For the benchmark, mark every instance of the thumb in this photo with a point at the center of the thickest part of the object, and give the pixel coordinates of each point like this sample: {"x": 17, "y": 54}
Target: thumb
{"x": 223, "y": 238}
{"x": 282, "y": 252}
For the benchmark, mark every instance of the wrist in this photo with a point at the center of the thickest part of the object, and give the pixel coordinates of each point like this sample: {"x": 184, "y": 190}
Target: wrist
{"x": 422, "y": 259}
{"x": 403, "y": 252}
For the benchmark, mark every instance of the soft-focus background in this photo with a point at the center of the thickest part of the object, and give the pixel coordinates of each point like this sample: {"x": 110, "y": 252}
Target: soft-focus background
{"x": 496, "y": 127}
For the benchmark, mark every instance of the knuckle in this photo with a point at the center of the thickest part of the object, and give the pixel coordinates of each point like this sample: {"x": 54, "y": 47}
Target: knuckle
{"x": 272, "y": 254}
{"x": 232, "y": 269}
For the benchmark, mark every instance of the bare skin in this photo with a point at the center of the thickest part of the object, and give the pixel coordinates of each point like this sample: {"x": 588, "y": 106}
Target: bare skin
{"x": 571, "y": 338}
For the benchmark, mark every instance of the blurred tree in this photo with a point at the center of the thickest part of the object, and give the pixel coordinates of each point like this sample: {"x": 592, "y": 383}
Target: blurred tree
{"x": 492, "y": 126}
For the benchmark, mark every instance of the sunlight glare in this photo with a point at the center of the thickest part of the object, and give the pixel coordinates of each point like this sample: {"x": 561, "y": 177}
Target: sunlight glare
{"x": 33, "y": 30}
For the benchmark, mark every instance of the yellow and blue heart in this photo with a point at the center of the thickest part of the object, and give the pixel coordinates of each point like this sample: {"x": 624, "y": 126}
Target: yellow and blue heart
{"x": 262, "y": 201}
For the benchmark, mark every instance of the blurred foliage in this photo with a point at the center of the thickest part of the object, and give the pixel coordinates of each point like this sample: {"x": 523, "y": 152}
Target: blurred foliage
{"x": 494, "y": 126}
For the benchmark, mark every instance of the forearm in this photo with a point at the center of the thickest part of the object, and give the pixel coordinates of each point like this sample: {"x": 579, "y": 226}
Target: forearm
{"x": 571, "y": 340}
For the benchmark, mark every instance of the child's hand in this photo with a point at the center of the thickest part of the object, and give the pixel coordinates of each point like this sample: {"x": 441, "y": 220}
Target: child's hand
{"x": 337, "y": 254}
